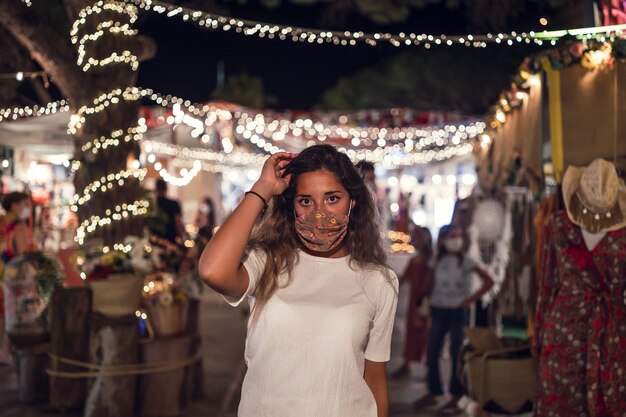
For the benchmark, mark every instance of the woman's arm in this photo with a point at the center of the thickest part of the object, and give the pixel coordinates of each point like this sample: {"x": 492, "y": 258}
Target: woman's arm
{"x": 21, "y": 239}
{"x": 487, "y": 284}
{"x": 376, "y": 378}
{"x": 220, "y": 264}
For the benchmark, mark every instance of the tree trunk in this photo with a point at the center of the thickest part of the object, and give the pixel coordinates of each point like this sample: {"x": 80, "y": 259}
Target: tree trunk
{"x": 82, "y": 86}
{"x": 70, "y": 311}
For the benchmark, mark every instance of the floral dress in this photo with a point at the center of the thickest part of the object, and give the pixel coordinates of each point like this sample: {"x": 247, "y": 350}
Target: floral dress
{"x": 581, "y": 324}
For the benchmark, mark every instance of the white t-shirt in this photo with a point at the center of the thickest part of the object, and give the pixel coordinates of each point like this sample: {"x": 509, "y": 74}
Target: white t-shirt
{"x": 453, "y": 281}
{"x": 306, "y": 353}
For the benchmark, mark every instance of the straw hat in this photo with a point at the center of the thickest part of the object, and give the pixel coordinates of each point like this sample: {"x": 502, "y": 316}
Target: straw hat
{"x": 595, "y": 197}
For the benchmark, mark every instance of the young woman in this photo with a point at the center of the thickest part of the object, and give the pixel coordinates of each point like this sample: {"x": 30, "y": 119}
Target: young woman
{"x": 16, "y": 238}
{"x": 323, "y": 301}
{"x": 450, "y": 299}
{"x": 419, "y": 276}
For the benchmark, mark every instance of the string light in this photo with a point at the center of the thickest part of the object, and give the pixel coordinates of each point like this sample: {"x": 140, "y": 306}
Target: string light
{"x": 126, "y": 57}
{"x": 203, "y": 154}
{"x": 116, "y": 137}
{"x": 120, "y": 212}
{"x": 253, "y": 127}
{"x": 113, "y": 27}
{"x": 110, "y": 26}
{"x": 119, "y": 7}
{"x": 100, "y": 103}
{"x": 19, "y": 112}
{"x": 351, "y": 38}
{"x": 185, "y": 175}
{"x": 104, "y": 184}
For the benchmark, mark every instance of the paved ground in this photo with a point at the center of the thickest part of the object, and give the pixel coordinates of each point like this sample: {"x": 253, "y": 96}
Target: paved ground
{"x": 223, "y": 337}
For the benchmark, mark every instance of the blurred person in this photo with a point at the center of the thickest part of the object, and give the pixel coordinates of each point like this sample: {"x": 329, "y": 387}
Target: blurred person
{"x": 205, "y": 217}
{"x": 16, "y": 241}
{"x": 419, "y": 276}
{"x": 323, "y": 300}
{"x": 174, "y": 229}
{"x": 368, "y": 174}
{"x": 450, "y": 299}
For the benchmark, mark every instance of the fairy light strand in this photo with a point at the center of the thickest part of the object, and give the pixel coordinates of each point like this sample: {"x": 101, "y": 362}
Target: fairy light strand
{"x": 120, "y": 212}
{"x": 186, "y": 176}
{"x": 351, "y": 38}
{"x": 15, "y": 113}
{"x": 105, "y": 184}
{"x": 113, "y": 27}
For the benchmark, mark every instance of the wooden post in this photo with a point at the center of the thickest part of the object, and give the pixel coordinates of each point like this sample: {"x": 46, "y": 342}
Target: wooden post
{"x": 195, "y": 373}
{"x": 114, "y": 341}
{"x": 161, "y": 394}
{"x": 31, "y": 346}
{"x": 70, "y": 309}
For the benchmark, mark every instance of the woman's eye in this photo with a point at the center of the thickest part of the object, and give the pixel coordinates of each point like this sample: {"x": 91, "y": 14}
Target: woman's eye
{"x": 333, "y": 199}
{"x": 304, "y": 201}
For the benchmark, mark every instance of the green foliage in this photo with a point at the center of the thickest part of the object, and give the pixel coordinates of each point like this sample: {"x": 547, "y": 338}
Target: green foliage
{"x": 245, "y": 90}
{"x": 48, "y": 274}
{"x": 439, "y": 79}
{"x": 155, "y": 219}
{"x": 48, "y": 277}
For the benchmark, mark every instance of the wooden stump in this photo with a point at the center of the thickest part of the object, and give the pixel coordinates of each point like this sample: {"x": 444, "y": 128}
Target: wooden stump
{"x": 70, "y": 309}
{"x": 31, "y": 347}
{"x": 195, "y": 374}
{"x": 163, "y": 394}
{"x": 114, "y": 341}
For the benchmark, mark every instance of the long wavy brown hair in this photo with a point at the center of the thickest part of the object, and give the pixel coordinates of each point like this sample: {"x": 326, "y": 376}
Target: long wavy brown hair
{"x": 275, "y": 233}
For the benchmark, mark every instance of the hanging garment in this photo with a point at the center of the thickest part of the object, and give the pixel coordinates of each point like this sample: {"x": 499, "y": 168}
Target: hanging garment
{"x": 581, "y": 324}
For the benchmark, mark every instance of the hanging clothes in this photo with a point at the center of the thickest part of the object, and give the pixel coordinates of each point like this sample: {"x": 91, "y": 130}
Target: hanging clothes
{"x": 581, "y": 324}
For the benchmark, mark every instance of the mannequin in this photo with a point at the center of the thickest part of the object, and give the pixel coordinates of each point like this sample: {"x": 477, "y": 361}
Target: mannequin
{"x": 580, "y": 335}
{"x": 592, "y": 239}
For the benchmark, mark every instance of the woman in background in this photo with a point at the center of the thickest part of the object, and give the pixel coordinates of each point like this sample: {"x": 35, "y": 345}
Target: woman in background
{"x": 419, "y": 277}
{"x": 15, "y": 241}
{"x": 450, "y": 300}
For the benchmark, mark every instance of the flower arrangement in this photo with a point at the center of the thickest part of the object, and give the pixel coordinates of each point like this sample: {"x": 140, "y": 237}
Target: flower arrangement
{"x": 160, "y": 290}
{"x": 98, "y": 263}
{"x": 165, "y": 303}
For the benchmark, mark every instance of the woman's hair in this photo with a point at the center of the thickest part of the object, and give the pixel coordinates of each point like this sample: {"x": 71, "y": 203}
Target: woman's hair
{"x": 422, "y": 240}
{"x": 443, "y": 235}
{"x": 276, "y": 234}
{"x": 15, "y": 197}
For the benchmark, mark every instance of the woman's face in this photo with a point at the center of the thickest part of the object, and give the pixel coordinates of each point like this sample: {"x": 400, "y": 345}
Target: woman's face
{"x": 16, "y": 208}
{"x": 320, "y": 190}
{"x": 455, "y": 233}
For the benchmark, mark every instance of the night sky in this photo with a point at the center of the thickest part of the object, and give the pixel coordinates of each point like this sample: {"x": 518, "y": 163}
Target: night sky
{"x": 295, "y": 73}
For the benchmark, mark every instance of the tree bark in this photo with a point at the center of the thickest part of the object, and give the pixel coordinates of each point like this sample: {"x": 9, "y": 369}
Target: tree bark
{"x": 49, "y": 49}
{"x": 54, "y": 53}
{"x": 70, "y": 311}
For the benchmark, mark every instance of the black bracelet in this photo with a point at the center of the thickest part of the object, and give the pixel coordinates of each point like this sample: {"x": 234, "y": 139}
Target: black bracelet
{"x": 258, "y": 195}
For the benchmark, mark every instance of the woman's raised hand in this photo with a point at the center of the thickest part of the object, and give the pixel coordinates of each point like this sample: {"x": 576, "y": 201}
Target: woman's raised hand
{"x": 271, "y": 182}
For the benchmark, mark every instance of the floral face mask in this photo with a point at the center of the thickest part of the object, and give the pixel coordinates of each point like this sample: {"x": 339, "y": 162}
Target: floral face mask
{"x": 322, "y": 230}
